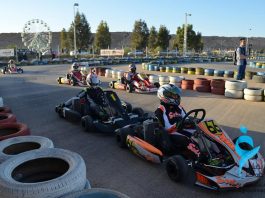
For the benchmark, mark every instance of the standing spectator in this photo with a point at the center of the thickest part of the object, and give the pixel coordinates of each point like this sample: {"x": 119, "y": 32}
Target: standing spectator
{"x": 241, "y": 56}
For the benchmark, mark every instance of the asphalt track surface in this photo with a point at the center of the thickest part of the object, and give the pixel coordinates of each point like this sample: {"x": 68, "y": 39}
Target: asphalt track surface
{"x": 34, "y": 94}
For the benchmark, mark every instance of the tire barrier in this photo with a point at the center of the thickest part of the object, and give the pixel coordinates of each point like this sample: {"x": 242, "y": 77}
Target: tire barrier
{"x": 199, "y": 71}
{"x": 191, "y": 71}
{"x": 229, "y": 74}
{"x": 49, "y": 172}
{"x": 120, "y": 74}
{"x": 162, "y": 69}
{"x": 202, "y": 85}
{"x": 114, "y": 74}
{"x": 8, "y": 130}
{"x": 234, "y": 88}
{"x": 235, "y": 74}
{"x": 218, "y": 86}
{"x": 151, "y": 67}
{"x": 163, "y": 80}
{"x": 156, "y": 68}
{"x": 7, "y": 118}
{"x": 108, "y": 73}
{"x": 5, "y": 110}
{"x": 96, "y": 193}
{"x": 184, "y": 70}
{"x": 209, "y": 72}
{"x": 13, "y": 146}
{"x": 219, "y": 73}
{"x": 176, "y": 70}
{"x": 176, "y": 80}
{"x": 153, "y": 78}
{"x": 143, "y": 66}
{"x": 258, "y": 79}
{"x": 187, "y": 84}
{"x": 253, "y": 94}
{"x": 261, "y": 73}
{"x": 249, "y": 75}
{"x": 169, "y": 69}
{"x": 102, "y": 71}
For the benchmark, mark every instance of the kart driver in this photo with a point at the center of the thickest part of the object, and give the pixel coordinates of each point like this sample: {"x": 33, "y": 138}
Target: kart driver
{"x": 92, "y": 78}
{"x": 130, "y": 75}
{"x": 169, "y": 113}
{"x": 11, "y": 64}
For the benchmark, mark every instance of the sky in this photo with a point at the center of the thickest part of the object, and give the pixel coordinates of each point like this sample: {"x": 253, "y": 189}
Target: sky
{"x": 210, "y": 17}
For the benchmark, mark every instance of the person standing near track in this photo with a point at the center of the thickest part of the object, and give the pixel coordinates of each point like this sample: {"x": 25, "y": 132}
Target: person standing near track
{"x": 241, "y": 56}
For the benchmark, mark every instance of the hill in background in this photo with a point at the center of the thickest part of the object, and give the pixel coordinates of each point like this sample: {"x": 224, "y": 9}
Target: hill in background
{"x": 120, "y": 39}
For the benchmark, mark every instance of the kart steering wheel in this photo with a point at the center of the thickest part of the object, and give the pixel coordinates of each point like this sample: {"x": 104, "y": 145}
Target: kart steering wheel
{"x": 194, "y": 118}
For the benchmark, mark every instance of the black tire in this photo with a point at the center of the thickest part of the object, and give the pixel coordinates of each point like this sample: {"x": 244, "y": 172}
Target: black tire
{"x": 13, "y": 146}
{"x": 243, "y": 145}
{"x": 96, "y": 192}
{"x": 111, "y": 84}
{"x": 73, "y": 82}
{"x": 43, "y": 173}
{"x": 138, "y": 111}
{"x": 87, "y": 123}
{"x": 157, "y": 85}
{"x": 127, "y": 106}
{"x": 177, "y": 168}
{"x": 59, "y": 80}
{"x": 129, "y": 88}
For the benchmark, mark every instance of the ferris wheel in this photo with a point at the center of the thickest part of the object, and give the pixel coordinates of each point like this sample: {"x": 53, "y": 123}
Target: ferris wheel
{"x": 37, "y": 36}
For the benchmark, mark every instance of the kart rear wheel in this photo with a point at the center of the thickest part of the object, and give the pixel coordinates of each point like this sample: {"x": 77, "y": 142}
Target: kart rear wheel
{"x": 177, "y": 168}
{"x": 72, "y": 82}
{"x": 157, "y": 85}
{"x": 87, "y": 123}
{"x": 138, "y": 111}
{"x": 111, "y": 84}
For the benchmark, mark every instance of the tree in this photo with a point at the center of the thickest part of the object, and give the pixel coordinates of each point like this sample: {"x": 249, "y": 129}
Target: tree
{"x": 194, "y": 41}
{"x": 140, "y": 35}
{"x": 152, "y": 39}
{"x": 64, "y": 42}
{"x": 83, "y": 33}
{"x": 103, "y": 36}
{"x": 163, "y": 37}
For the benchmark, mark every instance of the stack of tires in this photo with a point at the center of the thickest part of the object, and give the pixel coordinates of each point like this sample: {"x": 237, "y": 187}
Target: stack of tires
{"x": 187, "y": 84}
{"x": 114, "y": 74}
{"x": 209, "y": 72}
{"x": 163, "y": 80}
{"x": 176, "y": 70}
{"x": 199, "y": 71}
{"x": 169, "y": 69}
{"x": 249, "y": 75}
{"x": 176, "y": 80}
{"x": 153, "y": 78}
{"x": 184, "y": 70}
{"x": 151, "y": 67}
{"x": 120, "y": 74}
{"x": 162, "y": 69}
{"x": 235, "y": 73}
{"x": 144, "y": 66}
{"x": 253, "y": 94}
{"x": 229, "y": 74}
{"x": 102, "y": 71}
{"x": 235, "y": 88}
{"x": 191, "y": 71}
{"x": 108, "y": 73}
{"x": 258, "y": 78}
{"x": 218, "y": 86}
{"x": 219, "y": 73}
{"x": 202, "y": 85}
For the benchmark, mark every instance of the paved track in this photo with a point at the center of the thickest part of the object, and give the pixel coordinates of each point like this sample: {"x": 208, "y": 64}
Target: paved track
{"x": 34, "y": 94}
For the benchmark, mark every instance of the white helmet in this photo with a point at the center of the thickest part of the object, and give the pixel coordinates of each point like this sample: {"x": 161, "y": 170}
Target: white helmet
{"x": 169, "y": 94}
{"x": 75, "y": 66}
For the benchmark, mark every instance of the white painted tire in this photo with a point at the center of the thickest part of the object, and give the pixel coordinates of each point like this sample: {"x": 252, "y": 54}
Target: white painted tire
{"x": 42, "y": 173}
{"x": 153, "y": 81}
{"x": 230, "y": 93}
{"x": 238, "y": 85}
{"x": 96, "y": 192}
{"x": 253, "y": 91}
{"x": 13, "y": 146}
{"x": 154, "y": 78}
{"x": 176, "y": 79}
{"x": 176, "y": 84}
{"x": 163, "y": 79}
{"x": 253, "y": 98}
{"x": 163, "y": 83}
{"x": 108, "y": 75}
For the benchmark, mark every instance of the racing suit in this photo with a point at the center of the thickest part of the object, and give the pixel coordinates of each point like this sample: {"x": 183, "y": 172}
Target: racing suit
{"x": 129, "y": 77}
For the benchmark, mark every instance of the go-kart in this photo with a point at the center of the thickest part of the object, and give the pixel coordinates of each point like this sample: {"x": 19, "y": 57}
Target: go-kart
{"x": 100, "y": 110}
{"x": 12, "y": 70}
{"x": 139, "y": 83}
{"x": 202, "y": 147}
{"x": 73, "y": 78}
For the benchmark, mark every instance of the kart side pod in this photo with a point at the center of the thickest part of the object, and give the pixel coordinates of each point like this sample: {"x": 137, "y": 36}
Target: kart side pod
{"x": 144, "y": 149}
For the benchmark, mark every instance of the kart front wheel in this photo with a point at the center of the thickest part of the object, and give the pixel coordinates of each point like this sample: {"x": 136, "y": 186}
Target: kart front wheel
{"x": 112, "y": 84}
{"x": 177, "y": 168}
{"x": 87, "y": 123}
{"x": 59, "y": 80}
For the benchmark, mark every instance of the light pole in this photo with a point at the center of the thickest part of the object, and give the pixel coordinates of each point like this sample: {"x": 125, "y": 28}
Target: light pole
{"x": 75, "y": 5}
{"x": 247, "y": 42}
{"x": 185, "y": 35}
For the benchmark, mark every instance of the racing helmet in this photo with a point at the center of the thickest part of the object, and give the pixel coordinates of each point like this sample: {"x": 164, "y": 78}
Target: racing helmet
{"x": 11, "y": 61}
{"x": 75, "y": 67}
{"x": 169, "y": 94}
{"x": 132, "y": 67}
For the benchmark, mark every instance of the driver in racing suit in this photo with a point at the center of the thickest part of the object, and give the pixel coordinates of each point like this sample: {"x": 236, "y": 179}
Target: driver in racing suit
{"x": 130, "y": 75}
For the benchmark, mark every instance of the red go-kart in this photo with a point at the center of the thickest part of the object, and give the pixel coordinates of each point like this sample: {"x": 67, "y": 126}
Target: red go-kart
{"x": 12, "y": 70}
{"x": 139, "y": 83}
{"x": 74, "y": 78}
